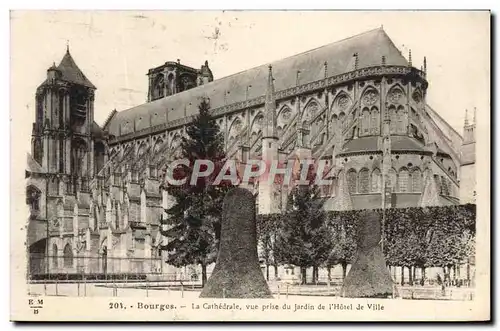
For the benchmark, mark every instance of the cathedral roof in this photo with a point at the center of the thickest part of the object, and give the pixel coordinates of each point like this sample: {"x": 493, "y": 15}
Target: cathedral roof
{"x": 97, "y": 131}
{"x": 368, "y": 144}
{"x": 361, "y": 144}
{"x": 450, "y": 133}
{"x": 404, "y": 143}
{"x": 370, "y": 47}
{"x": 71, "y": 73}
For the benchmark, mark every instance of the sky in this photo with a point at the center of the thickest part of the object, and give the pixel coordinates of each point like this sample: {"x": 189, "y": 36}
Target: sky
{"x": 115, "y": 49}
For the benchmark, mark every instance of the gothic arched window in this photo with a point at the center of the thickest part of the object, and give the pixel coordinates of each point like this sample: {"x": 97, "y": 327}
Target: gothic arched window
{"x": 141, "y": 151}
{"x": 394, "y": 118}
{"x": 55, "y": 260}
{"x": 61, "y": 153}
{"x": 351, "y": 181}
{"x": 61, "y": 110}
{"x": 334, "y": 123}
{"x": 365, "y": 121}
{"x": 444, "y": 187}
{"x": 392, "y": 179}
{"x": 186, "y": 82}
{"x": 364, "y": 181}
{"x": 341, "y": 102}
{"x": 33, "y": 198}
{"x": 38, "y": 150}
{"x": 68, "y": 256}
{"x": 285, "y": 115}
{"x": 158, "y": 146}
{"x": 403, "y": 180}
{"x": 39, "y": 109}
{"x": 376, "y": 180}
{"x": 309, "y": 114}
{"x": 355, "y": 132}
{"x": 78, "y": 153}
{"x": 341, "y": 120}
{"x": 159, "y": 87}
{"x": 170, "y": 84}
{"x": 234, "y": 131}
{"x": 400, "y": 125}
{"x": 311, "y": 110}
{"x": 374, "y": 120}
{"x": 416, "y": 180}
{"x": 334, "y": 187}
{"x": 117, "y": 215}
{"x": 96, "y": 218}
{"x": 257, "y": 124}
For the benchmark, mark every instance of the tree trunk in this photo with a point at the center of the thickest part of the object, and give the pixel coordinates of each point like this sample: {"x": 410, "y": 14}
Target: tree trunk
{"x": 468, "y": 273}
{"x": 267, "y": 271}
{"x": 410, "y": 276}
{"x": 203, "y": 274}
{"x": 303, "y": 275}
{"x": 275, "y": 270}
{"x": 329, "y": 273}
{"x": 344, "y": 270}
{"x": 414, "y": 274}
{"x": 315, "y": 274}
{"x": 422, "y": 281}
{"x": 402, "y": 276}
{"x": 449, "y": 275}
{"x": 445, "y": 275}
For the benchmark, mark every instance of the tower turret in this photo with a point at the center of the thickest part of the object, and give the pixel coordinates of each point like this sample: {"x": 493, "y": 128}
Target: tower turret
{"x": 205, "y": 75}
{"x": 174, "y": 77}
{"x": 468, "y": 161}
{"x": 270, "y": 108}
{"x": 386, "y": 160}
{"x": 269, "y": 148}
{"x": 53, "y": 73}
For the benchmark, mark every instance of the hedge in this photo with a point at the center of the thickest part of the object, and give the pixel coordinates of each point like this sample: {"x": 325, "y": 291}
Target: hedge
{"x": 423, "y": 237}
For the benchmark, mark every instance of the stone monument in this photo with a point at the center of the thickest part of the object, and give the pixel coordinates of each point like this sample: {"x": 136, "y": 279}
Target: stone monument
{"x": 237, "y": 273}
{"x": 369, "y": 276}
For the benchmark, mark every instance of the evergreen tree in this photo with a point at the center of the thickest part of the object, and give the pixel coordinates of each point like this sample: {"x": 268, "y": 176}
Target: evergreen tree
{"x": 193, "y": 225}
{"x": 304, "y": 239}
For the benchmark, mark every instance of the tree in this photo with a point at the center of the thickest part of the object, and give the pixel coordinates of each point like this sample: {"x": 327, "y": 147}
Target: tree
{"x": 403, "y": 242}
{"x": 193, "y": 225}
{"x": 413, "y": 237}
{"x": 343, "y": 240}
{"x": 304, "y": 238}
{"x": 267, "y": 228}
{"x": 452, "y": 235}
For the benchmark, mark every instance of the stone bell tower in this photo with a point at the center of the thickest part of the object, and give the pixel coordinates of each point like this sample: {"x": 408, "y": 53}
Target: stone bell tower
{"x": 62, "y": 133}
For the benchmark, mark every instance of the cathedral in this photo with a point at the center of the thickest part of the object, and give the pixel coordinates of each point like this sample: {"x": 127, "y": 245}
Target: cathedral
{"x": 96, "y": 194}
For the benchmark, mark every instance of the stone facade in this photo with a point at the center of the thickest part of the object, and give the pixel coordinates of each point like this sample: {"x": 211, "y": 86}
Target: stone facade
{"x": 97, "y": 191}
